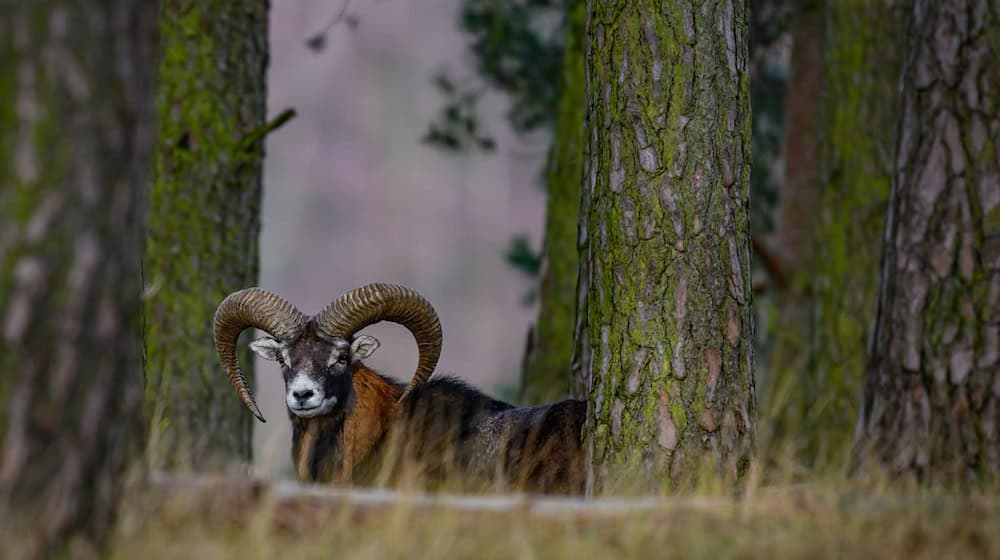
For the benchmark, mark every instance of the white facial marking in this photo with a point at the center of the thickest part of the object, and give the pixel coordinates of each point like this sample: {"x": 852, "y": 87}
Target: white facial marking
{"x": 305, "y": 397}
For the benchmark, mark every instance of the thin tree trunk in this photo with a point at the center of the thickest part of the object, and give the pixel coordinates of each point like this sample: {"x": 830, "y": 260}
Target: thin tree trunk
{"x": 669, "y": 328}
{"x": 783, "y": 403}
{"x": 933, "y": 381}
{"x": 800, "y": 147}
{"x": 547, "y": 369}
{"x": 75, "y": 144}
{"x": 204, "y": 221}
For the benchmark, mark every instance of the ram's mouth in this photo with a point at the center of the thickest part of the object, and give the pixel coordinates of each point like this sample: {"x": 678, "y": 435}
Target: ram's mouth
{"x": 322, "y": 408}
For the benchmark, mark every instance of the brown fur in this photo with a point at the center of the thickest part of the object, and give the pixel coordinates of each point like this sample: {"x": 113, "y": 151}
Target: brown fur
{"x": 370, "y": 414}
{"x": 373, "y": 411}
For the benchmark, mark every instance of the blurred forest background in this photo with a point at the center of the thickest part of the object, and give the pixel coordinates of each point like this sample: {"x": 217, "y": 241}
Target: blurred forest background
{"x": 761, "y": 239}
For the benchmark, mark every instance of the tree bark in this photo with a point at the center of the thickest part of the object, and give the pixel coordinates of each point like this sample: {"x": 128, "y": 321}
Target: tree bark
{"x": 669, "y": 330}
{"x": 75, "y": 146}
{"x": 204, "y": 221}
{"x": 547, "y": 369}
{"x": 933, "y": 380}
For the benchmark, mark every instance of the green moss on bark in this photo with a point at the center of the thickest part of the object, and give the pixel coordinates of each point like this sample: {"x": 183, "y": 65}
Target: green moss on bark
{"x": 667, "y": 346}
{"x": 204, "y": 220}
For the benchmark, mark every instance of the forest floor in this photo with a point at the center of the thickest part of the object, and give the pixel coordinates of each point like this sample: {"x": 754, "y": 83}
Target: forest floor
{"x": 233, "y": 518}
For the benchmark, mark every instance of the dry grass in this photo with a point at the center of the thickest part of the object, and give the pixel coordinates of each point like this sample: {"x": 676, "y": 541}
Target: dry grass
{"x": 830, "y": 520}
{"x": 773, "y": 516}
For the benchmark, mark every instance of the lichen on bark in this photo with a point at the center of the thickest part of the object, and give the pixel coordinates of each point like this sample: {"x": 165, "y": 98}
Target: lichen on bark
{"x": 204, "y": 221}
{"x": 667, "y": 342}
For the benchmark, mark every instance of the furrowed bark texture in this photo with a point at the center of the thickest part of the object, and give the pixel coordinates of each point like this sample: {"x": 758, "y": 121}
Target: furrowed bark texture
{"x": 204, "y": 221}
{"x": 75, "y": 146}
{"x": 864, "y": 45}
{"x": 669, "y": 325}
{"x": 547, "y": 371}
{"x": 933, "y": 382}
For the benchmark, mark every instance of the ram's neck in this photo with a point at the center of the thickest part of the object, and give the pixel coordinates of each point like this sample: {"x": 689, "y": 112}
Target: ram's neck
{"x": 329, "y": 448}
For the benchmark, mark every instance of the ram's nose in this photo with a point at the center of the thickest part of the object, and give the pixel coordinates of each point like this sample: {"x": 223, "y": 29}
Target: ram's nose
{"x": 303, "y": 395}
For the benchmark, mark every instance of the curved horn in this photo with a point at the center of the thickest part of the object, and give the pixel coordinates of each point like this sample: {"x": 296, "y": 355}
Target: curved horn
{"x": 252, "y": 307}
{"x": 372, "y": 303}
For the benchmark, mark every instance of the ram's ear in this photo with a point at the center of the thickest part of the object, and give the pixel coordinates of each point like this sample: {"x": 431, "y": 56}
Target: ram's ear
{"x": 267, "y": 348}
{"x": 363, "y": 346}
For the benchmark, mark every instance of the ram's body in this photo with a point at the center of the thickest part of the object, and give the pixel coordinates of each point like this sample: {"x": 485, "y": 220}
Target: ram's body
{"x": 351, "y": 424}
{"x": 445, "y": 432}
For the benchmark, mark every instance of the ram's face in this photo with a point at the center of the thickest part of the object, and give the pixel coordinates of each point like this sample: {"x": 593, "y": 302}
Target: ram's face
{"x": 317, "y": 371}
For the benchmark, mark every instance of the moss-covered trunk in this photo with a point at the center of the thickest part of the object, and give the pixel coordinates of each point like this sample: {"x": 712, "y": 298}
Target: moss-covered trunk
{"x": 75, "y": 146}
{"x": 669, "y": 330}
{"x": 547, "y": 367}
{"x": 818, "y": 402}
{"x": 933, "y": 382}
{"x": 204, "y": 220}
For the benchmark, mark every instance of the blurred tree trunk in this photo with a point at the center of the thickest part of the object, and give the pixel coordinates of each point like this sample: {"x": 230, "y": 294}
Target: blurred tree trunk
{"x": 800, "y": 147}
{"x": 547, "y": 366}
{"x": 669, "y": 325}
{"x": 933, "y": 381}
{"x": 75, "y": 146}
{"x": 204, "y": 221}
{"x": 782, "y": 402}
{"x": 863, "y": 54}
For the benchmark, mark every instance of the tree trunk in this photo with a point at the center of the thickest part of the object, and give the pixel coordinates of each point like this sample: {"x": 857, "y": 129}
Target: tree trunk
{"x": 75, "y": 146}
{"x": 547, "y": 369}
{"x": 861, "y": 77}
{"x": 204, "y": 221}
{"x": 933, "y": 382}
{"x": 669, "y": 330}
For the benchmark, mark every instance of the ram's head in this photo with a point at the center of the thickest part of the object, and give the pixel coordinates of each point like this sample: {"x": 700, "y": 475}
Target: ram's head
{"x": 318, "y": 354}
